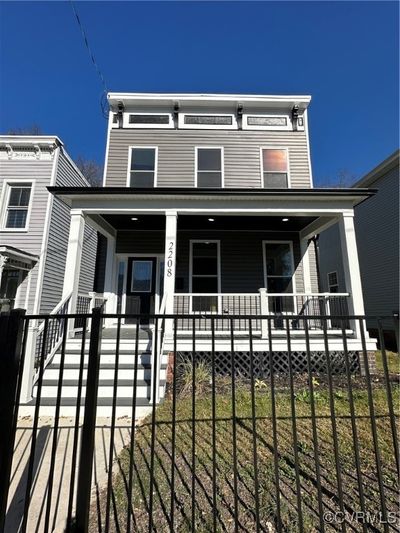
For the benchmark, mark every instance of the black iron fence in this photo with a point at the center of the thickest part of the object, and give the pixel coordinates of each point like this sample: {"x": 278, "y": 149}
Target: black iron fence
{"x": 249, "y": 434}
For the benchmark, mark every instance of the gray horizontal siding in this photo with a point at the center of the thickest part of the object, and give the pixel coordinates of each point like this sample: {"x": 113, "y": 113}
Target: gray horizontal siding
{"x": 241, "y": 255}
{"x": 57, "y": 244}
{"x": 176, "y": 159}
{"x": 31, "y": 240}
{"x": 377, "y": 232}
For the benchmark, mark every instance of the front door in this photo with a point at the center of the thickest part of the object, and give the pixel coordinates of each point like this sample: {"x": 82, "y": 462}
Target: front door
{"x": 140, "y": 287}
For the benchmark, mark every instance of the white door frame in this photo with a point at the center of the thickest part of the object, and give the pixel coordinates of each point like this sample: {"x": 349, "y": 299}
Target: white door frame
{"x": 290, "y": 242}
{"x": 124, "y": 258}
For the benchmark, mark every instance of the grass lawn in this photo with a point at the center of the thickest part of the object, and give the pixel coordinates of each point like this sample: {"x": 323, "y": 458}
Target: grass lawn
{"x": 196, "y": 466}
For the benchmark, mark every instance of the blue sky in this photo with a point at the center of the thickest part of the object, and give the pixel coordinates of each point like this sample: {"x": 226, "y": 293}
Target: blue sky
{"x": 345, "y": 54}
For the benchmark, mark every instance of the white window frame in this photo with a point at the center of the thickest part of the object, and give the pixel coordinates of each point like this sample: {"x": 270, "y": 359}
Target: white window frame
{"x": 191, "y": 242}
{"x": 127, "y": 124}
{"x": 5, "y": 197}
{"x": 337, "y": 280}
{"x": 182, "y": 125}
{"x": 221, "y": 148}
{"x": 286, "y": 149}
{"x": 131, "y": 148}
{"x": 288, "y": 126}
{"x": 265, "y": 263}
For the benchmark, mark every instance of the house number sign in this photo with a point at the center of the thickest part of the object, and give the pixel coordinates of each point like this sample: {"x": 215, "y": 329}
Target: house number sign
{"x": 170, "y": 258}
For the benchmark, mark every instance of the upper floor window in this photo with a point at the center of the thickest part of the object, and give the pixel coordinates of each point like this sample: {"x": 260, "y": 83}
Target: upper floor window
{"x": 275, "y": 168}
{"x": 207, "y": 121}
{"x": 209, "y": 167}
{"x": 266, "y": 122}
{"x": 143, "y": 167}
{"x": 18, "y": 196}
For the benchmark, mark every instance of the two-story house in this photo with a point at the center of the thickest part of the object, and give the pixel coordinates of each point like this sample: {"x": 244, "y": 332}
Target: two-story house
{"x": 34, "y": 227}
{"x": 207, "y": 207}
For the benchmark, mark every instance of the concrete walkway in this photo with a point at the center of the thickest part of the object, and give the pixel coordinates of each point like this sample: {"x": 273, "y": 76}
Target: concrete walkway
{"x": 62, "y": 471}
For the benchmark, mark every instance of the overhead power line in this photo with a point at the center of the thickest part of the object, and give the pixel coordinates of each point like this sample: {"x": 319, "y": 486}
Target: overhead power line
{"x": 103, "y": 99}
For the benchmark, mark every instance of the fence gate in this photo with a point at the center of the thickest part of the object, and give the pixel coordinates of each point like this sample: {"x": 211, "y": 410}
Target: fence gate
{"x": 245, "y": 438}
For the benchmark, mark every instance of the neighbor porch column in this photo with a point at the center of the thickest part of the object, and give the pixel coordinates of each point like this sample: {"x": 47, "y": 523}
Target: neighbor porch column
{"x": 73, "y": 261}
{"x": 351, "y": 266}
{"x": 110, "y": 291}
{"x": 170, "y": 263}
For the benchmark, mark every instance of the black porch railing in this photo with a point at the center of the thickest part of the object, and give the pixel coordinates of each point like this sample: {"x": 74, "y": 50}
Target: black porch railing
{"x": 253, "y": 438}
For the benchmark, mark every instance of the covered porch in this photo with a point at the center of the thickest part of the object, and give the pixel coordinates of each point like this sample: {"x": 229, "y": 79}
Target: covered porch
{"x": 207, "y": 252}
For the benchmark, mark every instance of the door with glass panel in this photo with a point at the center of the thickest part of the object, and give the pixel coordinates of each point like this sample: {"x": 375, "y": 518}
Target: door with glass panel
{"x": 140, "y": 287}
{"x": 10, "y": 281}
{"x": 204, "y": 277}
{"x": 279, "y": 266}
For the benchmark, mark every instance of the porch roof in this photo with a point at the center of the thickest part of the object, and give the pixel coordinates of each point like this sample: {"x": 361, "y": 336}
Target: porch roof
{"x": 349, "y": 195}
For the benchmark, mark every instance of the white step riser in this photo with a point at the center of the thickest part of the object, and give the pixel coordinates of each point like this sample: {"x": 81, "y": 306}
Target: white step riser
{"x": 74, "y": 359}
{"x": 104, "y": 374}
{"x": 106, "y": 392}
{"x": 70, "y": 411}
{"x": 110, "y": 346}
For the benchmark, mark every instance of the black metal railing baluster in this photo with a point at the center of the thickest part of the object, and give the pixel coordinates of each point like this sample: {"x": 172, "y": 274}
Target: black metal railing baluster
{"x": 274, "y": 430}
{"x": 153, "y": 425}
{"x": 389, "y": 395}
{"x": 214, "y": 429}
{"x": 173, "y": 428}
{"x": 254, "y": 430}
{"x": 130, "y": 514}
{"x": 193, "y": 489}
{"x": 234, "y": 429}
{"x": 294, "y": 429}
{"x": 112, "y": 428}
{"x": 353, "y": 422}
{"x": 314, "y": 428}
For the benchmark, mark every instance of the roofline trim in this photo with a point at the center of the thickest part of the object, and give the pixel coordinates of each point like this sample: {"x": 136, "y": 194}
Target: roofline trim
{"x": 379, "y": 170}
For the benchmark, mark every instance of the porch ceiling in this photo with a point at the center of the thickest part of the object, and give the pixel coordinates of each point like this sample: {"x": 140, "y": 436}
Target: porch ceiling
{"x": 201, "y": 222}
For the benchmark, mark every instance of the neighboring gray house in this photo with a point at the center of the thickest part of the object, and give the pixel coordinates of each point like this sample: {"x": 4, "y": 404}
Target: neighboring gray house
{"x": 377, "y": 230}
{"x": 34, "y": 225}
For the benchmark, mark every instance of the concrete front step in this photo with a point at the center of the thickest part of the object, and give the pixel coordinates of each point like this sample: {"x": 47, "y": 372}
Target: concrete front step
{"x": 123, "y": 391}
{"x": 127, "y": 372}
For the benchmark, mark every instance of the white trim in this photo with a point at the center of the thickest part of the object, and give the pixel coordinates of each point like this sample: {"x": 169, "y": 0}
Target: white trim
{"x": 272, "y": 147}
{"x": 288, "y": 126}
{"x": 264, "y": 242}
{"x": 218, "y": 242}
{"x": 45, "y": 240}
{"x": 182, "y": 125}
{"x": 221, "y": 149}
{"x": 109, "y": 127}
{"x": 126, "y": 124}
{"x": 308, "y": 148}
{"x": 130, "y": 148}
{"x": 5, "y": 196}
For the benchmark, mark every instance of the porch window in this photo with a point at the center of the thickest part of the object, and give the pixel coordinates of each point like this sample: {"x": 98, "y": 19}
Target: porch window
{"x": 279, "y": 268}
{"x": 274, "y": 163}
{"x": 333, "y": 283}
{"x": 17, "y": 206}
{"x": 143, "y": 167}
{"x": 209, "y": 167}
{"x": 205, "y": 275}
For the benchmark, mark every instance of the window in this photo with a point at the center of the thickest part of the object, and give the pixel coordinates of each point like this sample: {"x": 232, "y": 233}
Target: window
{"x": 143, "y": 167}
{"x": 204, "y": 274}
{"x": 142, "y": 275}
{"x": 209, "y": 167}
{"x": 274, "y": 164}
{"x": 333, "y": 283}
{"x": 149, "y": 119}
{"x": 266, "y": 122}
{"x": 17, "y": 206}
{"x": 207, "y": 121}
{"x": 279, "y": 270}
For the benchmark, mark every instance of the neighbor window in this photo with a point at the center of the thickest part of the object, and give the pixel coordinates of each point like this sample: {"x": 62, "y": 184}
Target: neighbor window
{"x": 209, "y": 120}
{"x": 274, "y": 168}
{"x": 149, "y": 119}
{"x": 266, "y": 121}
{"x": 333, "y": 282}
{"x": 209, "y": 167}
{"x": 17, "y": 206}
{"x": 143, "y": 167}
{"x": 205, "y": 275}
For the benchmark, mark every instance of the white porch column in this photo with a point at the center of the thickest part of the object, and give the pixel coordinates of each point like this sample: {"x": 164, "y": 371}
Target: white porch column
{"x": 305, "y": 259}
{"x": 170, "y": 263}
{"x": 351, "y": 266}
{"x": 73, "y": 261}
{"x": 110, "y": 290}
